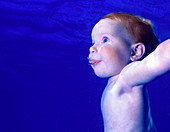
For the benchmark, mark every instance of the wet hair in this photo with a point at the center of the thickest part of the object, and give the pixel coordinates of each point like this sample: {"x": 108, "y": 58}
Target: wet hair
{"x": 140, "y": 30}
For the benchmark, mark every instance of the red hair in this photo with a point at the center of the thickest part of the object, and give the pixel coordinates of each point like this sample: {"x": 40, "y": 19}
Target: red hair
{"x": 140, "y": 29}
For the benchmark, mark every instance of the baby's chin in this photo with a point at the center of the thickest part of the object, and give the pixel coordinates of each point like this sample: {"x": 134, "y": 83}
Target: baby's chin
{"x": 104, "y": 75}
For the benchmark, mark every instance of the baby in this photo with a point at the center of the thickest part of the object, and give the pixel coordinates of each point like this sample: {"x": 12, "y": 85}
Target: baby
{"x": 125, "y": 50}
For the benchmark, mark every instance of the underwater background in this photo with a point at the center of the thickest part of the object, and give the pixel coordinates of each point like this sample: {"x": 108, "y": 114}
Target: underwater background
{"x": 46, "y": 84}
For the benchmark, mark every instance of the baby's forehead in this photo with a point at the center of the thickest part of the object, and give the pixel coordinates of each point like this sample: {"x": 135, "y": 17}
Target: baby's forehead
{"x": 108, "y": 26}
{"x": 106, "y": 20}
{"x": 111, "y": 27}
{"x": 107, "y": 23}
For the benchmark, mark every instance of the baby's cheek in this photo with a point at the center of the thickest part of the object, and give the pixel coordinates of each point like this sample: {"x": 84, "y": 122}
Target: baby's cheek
{"x": 101, "y": 48}
{"x": 107, "y": 51}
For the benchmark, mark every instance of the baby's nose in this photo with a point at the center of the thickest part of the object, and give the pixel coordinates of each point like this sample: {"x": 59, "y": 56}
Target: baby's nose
{"x": 93, "y": 49}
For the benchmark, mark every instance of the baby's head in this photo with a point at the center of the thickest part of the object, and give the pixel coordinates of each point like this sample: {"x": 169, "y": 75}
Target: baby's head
{"x": 139, "y": 29}
{"x": 118, "y": 39}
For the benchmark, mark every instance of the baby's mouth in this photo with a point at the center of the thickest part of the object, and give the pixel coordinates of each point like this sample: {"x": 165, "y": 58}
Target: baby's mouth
{"x": 94, "y": 62}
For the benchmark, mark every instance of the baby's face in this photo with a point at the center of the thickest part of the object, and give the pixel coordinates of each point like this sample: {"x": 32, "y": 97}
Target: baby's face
{"x": 111, "y": 48}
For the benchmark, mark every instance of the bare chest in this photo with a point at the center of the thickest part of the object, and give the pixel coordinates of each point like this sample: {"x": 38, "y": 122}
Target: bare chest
{"x": 124, "y": 109}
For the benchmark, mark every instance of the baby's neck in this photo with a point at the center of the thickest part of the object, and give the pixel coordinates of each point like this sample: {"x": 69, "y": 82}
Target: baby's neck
{"x": 112, "y": 79}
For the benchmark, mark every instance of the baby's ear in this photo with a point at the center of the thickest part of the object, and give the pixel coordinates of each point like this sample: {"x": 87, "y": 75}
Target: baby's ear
{"x": 137, "y": 51}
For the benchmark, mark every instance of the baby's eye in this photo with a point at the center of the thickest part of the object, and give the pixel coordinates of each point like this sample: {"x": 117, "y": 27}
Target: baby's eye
{"x": 105, "y": 39}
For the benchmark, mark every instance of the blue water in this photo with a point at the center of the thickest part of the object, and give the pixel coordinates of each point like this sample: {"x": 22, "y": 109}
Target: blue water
{"x": 45, "y": 81}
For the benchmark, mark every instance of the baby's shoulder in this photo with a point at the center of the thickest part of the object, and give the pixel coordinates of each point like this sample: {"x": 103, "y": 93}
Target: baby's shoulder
{"x": 130, "y": 68}
{"x": 120, "y": 87}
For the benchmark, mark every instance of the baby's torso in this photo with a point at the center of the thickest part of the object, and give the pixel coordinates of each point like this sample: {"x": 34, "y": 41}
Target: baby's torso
{"x": 126, "y": 109}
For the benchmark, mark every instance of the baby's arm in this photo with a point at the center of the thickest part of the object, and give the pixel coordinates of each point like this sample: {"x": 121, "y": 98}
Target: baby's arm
{"x": 154, "y": 65}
